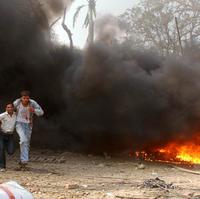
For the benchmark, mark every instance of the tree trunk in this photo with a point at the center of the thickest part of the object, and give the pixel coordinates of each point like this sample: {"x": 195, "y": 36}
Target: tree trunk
{"x": 179, "y": 37}
{"x": 91, "y": 28}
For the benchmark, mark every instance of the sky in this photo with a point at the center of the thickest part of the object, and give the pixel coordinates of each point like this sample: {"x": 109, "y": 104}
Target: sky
{"x": 103, "y": 7}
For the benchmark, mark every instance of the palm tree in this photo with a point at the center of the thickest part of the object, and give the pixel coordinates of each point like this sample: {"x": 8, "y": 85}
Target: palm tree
{"x": 89, "y": 19}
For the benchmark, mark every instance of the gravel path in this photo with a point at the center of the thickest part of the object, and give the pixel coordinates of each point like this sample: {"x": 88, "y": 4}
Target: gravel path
{"x": 63, "y": 175}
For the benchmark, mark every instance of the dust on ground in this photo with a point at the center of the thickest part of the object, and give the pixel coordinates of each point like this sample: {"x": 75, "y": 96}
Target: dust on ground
{"x": 64, "y": 175}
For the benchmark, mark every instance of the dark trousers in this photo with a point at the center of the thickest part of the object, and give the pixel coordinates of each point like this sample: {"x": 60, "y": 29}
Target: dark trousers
{"x": 6, "y": 145}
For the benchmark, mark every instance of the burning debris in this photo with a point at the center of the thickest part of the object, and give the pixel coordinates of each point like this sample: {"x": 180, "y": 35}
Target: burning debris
{"x": 186, "y": 153}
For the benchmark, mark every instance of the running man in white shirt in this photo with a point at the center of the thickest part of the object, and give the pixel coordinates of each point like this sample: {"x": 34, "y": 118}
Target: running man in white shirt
{"x": 25, "y": 108}
{"x": 7, "y": 121}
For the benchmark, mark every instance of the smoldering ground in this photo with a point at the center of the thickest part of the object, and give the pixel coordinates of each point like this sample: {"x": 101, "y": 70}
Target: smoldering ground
{"x": 105, "y": 98}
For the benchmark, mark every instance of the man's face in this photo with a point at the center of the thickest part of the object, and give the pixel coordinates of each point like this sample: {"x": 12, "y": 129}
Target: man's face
{"x": 9, "y": 108}
{"x": 25, "y": 99}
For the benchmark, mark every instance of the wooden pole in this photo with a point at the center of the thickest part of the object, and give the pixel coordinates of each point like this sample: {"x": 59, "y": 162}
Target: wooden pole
{"x": 179, "y": 37}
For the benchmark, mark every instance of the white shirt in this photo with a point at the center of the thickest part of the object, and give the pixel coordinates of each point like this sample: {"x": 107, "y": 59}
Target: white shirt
{"x": 23, "y": 114}
{"x": 7, "y": 122}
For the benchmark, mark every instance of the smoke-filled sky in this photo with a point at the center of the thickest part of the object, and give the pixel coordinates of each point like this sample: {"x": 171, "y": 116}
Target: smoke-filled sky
{"x": 105, "y": 97}
{"x": 114, "y": 7}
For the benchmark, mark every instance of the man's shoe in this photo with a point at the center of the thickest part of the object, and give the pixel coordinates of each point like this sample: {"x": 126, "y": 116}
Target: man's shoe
{"x": 23, "y": 163}
{"x": 23, "y": 166}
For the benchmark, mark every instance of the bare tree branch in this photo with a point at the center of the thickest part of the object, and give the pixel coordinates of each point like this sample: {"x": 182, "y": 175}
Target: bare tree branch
{"x": 54, "y": 22}
{"x": 67, "y": 30}
{"x": 151, "y": 24}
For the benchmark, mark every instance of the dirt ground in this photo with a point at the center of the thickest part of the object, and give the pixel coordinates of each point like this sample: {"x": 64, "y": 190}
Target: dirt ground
{"x": 64, "y": 175}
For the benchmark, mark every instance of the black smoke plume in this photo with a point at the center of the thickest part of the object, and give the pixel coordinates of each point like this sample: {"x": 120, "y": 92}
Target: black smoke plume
{"x": 29, "y": 60}
{"x": 105, "y": 98}
{"x": 121, "y": 97}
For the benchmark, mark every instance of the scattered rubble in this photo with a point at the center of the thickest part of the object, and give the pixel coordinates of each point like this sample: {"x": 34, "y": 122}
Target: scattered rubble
{"x": 193, "y": 196}
{"x": 140, "y": 166}
{"x": 157, "y": 183}
{"x": 101, "y": 165}
{"x": 72, "y": 186}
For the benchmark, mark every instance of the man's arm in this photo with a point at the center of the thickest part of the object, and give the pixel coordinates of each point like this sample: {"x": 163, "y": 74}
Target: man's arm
{"x": 16, "y": 103}
{"x": 37, "y": 108}
{"x": 1, "y": 117}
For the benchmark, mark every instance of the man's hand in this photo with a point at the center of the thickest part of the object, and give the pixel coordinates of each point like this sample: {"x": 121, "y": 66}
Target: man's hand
{"x": 32, "y": 110}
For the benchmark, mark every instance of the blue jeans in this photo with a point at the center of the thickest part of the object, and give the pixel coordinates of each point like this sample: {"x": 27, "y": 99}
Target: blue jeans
{"x": 24, "y": 131}
{"x": 6, "y": 144}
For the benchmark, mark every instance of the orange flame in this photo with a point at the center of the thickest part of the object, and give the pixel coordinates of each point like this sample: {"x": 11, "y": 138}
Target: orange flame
{"x": 177, "y": 152}
{"x": 187, "y": 152}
